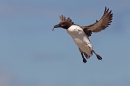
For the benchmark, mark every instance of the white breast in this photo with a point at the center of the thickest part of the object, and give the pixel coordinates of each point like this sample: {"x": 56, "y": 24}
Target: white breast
{"x": 80, "y": 39}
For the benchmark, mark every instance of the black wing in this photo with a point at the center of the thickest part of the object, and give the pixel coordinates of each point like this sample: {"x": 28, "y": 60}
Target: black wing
{"x": 63, "y": 19}
{"x": 101, "y": 24}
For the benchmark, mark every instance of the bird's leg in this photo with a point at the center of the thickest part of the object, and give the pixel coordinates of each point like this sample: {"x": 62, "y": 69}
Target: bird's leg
{"x": 98, "y": 56}
{"x": 84, "y": 60}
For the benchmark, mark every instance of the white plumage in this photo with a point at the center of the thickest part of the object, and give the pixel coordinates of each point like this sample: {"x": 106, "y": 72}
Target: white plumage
{"x": 81, "y": 39}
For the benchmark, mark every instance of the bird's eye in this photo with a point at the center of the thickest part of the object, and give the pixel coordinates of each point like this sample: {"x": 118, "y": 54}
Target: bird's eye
{"x": 62, "y": 24}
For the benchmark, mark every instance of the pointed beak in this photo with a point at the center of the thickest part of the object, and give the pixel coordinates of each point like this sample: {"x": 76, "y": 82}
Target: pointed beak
{"x": 56, "y": 26}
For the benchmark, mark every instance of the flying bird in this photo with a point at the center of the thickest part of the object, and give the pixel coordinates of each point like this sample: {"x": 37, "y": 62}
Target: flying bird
{"x": 81, "y": 34}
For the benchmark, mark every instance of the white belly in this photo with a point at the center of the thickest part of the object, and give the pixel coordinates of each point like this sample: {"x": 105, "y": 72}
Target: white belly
{"x": 84, "y": 44}
{"x": 80, "y": 39}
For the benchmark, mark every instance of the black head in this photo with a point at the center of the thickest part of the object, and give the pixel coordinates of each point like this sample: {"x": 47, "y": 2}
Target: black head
{"x": 65, "y": 23}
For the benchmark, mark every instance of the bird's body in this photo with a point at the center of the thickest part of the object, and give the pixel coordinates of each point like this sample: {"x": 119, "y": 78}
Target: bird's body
{"x": 80, "y": 34}
{"x": 81, "y": 39}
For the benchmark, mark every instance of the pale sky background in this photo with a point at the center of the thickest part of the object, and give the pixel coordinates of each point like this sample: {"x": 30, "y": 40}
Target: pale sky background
{"x": 31, "y": 54}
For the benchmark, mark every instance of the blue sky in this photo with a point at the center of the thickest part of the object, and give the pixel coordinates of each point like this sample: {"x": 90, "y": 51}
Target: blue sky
{"x": 31, "y": 54}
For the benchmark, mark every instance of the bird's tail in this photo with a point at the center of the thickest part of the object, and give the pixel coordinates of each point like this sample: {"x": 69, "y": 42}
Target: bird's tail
{"x": 88, "y": 56}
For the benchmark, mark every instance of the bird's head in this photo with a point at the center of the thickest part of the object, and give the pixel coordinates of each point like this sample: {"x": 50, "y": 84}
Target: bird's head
{"x": 64, "y": 23}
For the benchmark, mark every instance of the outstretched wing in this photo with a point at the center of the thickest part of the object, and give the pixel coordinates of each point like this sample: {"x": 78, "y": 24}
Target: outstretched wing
{"x": 63, "y": 19}
{"x": 101, "y": 24}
